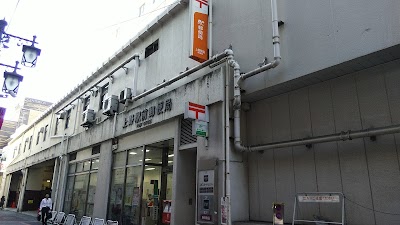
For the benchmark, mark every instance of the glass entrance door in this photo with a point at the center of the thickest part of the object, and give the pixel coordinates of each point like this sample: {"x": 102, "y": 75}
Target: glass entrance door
{"x": 157, "y": 183}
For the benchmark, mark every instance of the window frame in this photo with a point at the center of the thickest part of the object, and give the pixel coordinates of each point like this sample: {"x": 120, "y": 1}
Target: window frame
{"x": 45, "y": 132}
{"x": 67, "y": 118}
{"x": 103, "y": 93}
{"x": 86, "y": 102}
{"x": 38, "y": 138}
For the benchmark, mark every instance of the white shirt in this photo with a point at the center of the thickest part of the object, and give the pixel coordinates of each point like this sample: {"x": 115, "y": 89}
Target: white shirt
{"x": 46, "y": 203}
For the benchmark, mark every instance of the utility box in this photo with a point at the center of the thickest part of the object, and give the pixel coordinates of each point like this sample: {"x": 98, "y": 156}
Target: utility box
{"x": 110, "y": 105}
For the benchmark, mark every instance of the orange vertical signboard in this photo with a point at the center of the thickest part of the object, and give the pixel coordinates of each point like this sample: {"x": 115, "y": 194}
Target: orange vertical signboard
{"x": 199, "y": 29}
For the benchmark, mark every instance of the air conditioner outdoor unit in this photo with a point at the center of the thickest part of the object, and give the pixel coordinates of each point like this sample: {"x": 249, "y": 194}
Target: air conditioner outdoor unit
{"x": 88, "y": 118}
{"x": 110, "y": 105}
{"x": 61, "y": 116}
{"x": 125, "y": 95}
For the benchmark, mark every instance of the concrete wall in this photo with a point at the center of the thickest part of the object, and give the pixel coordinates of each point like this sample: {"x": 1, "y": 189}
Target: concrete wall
{"x": 34, "y": 179}
{"x": 366, "y": 171}
{"x": 316, "y": 34}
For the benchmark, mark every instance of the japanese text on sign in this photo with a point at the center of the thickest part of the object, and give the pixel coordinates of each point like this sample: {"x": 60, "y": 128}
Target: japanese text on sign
{"x": 319, "y": 198}
{"x": 144, "y": 117}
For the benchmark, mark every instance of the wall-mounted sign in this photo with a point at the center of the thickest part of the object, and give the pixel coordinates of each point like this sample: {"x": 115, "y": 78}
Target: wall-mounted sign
{"x": 196, "y": 112}
{"x": 145, "y": 117}
{"x": 319, "y": 198}
{"x": 206, "y": 196}
{"x": 200, "y": 128}
{"x": 199, "y": 30}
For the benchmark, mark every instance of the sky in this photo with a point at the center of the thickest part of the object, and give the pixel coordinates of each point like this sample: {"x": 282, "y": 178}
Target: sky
{"x": 75, "y": 36}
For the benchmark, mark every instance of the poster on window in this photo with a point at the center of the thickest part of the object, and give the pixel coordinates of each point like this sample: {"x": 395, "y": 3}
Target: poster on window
{"x": 199, "y": 30}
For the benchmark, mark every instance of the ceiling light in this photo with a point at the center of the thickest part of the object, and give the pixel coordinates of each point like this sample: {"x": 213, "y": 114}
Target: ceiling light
{"x": 132, "y": 153}
{"x": 151, "y": 168}
{"x": 170, "y": 156}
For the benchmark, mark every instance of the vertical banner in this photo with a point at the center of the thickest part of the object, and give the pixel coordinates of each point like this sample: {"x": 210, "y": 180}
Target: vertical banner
{"x": 199, "y": 30}
{"x": 2, "y": 113}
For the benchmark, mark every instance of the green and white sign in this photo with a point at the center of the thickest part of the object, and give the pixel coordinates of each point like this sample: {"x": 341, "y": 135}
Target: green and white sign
{"x": 200, "y": 128}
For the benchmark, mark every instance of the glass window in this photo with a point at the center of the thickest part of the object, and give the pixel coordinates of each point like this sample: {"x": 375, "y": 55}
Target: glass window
{"x": 86, "y": 102}
{"x": 135, "y": 156}
{"x": 91, "y": 194}
{"x": 104, "y": 91}
{"x": 86, "y": 165}
{"x": 79, "y": 195}
{"x": 79, "y": 167}
{"x": 68, "y": 117}
{"x": 45, "y": 132}
{"x": 116, "y": 191}
{"x": 72, "y": 168}
{"x": 56, "y": 126}
{"x": 95, "y": 164}
{"x": 68, "y": 194}
{"x": 38, "y": 138}
{"x": 30, "y": 142}
{"x": 132, "y": 195}
{"x": 119, "y": 159}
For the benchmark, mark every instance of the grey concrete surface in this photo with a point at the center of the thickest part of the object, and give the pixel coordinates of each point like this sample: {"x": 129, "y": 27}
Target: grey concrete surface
{"x": 8, "y": 217}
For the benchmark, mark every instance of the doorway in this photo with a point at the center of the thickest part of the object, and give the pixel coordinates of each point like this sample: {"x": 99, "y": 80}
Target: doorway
{"x": 157, "y": 183}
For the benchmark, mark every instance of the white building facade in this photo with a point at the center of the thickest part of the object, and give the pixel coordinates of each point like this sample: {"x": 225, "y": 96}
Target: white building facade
{"x": 319, "y": 115}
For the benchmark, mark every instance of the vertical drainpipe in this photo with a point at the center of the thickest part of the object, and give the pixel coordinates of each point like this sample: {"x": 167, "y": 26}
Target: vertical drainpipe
{"x": 135, "y": 74}
{"x": 210, "y": 31}
{"x": 238, "y": 79}
{"x": 227, "y": 145}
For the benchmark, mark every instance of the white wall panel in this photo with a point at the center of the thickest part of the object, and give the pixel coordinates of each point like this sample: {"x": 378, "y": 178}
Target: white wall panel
{"x": 284, "y": 178}
{"x": 382, "y": 166}
{"x": 326, "y": 154}
{"x": 303, "y": 158}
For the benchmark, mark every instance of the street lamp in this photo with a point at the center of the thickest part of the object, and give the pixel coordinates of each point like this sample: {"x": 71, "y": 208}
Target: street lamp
{"x": 30, "y": 54}
{"x": 29, "y": 59}
{"x": 11, "y": 80}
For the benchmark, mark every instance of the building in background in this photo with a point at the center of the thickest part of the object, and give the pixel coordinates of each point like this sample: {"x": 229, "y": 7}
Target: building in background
{"x": 30, "y": 109}
{"x": 174, "y": 118}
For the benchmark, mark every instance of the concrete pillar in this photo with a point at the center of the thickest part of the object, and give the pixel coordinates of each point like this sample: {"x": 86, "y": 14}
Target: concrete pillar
{"x": 62, "y": 175}
{"x": 103, "y": 181}
{"x": 22, "y": 189}
{"x": 54, "y": 188}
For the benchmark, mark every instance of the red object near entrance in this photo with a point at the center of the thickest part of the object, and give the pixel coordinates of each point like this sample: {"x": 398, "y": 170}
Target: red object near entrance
{"x": 13, "y": 205}
{"x": 166, "y": 215}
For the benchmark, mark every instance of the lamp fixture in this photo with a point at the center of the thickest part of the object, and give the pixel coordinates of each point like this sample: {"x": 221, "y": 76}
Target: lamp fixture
{"x": 29, "y": 59}
{"x": 11, "y": 80}
{"x": 30, "y": 54}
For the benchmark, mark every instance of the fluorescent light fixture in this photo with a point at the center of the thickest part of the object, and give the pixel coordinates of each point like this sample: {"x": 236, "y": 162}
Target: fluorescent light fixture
{"x": 144, "y": 160}
{"x": 132, "y": 153}
{"x": 48, "y": 181}
{"x": 151, "y": 168}
{"x": 170, "y": 161}
{"x": 170, "y": 156}
{"x": 146, "y": 150}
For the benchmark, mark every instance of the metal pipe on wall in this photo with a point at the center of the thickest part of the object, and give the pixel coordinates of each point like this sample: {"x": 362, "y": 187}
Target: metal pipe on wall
{"x": 214, "y": 59}
{"x": 238, "y": 79}
{"x": 135, "y": 74}
{"x": 276, "y": 45}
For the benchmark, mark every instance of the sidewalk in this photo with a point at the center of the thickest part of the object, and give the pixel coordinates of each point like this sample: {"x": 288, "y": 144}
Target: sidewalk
{"x": 9, "y": 216}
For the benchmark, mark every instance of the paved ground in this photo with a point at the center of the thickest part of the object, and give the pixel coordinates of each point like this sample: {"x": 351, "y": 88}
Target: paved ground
{"x": 13, "y": 218}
